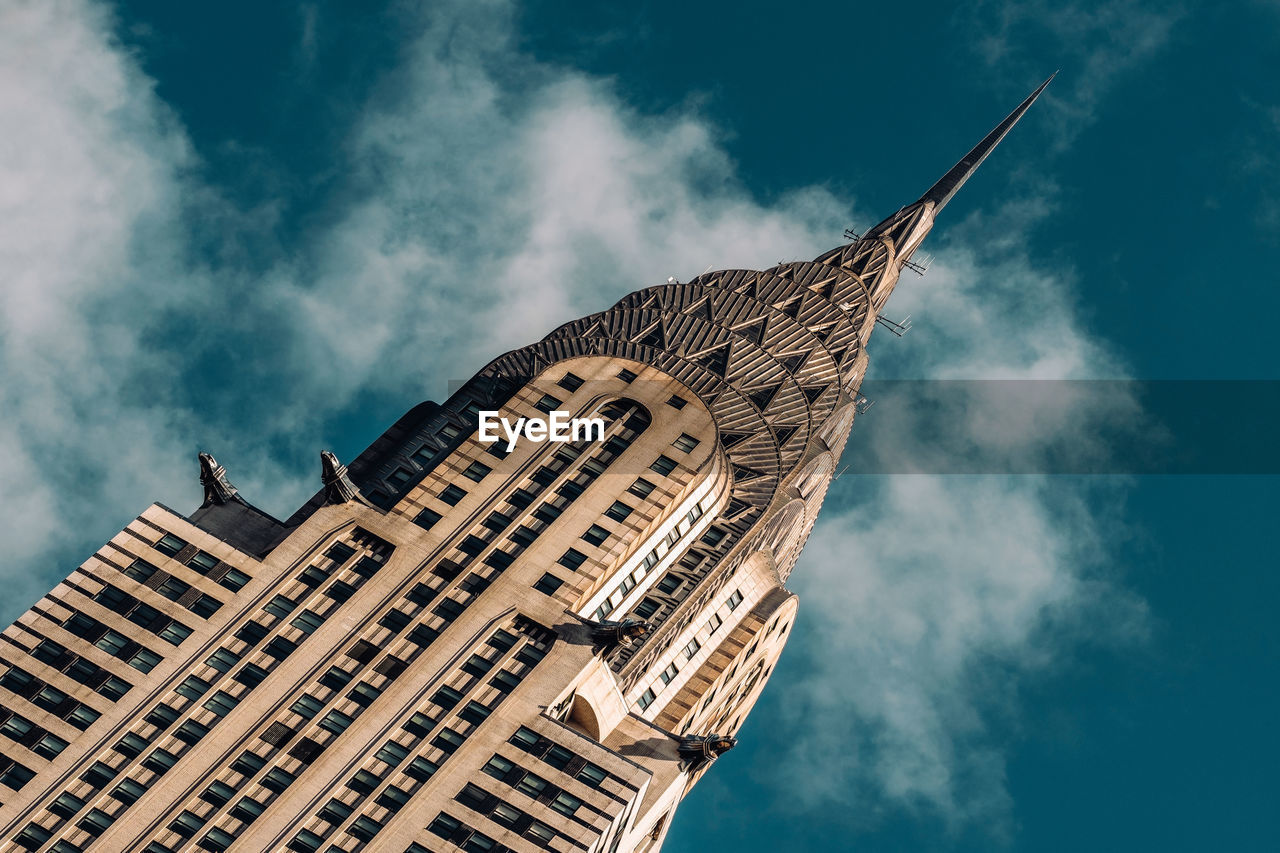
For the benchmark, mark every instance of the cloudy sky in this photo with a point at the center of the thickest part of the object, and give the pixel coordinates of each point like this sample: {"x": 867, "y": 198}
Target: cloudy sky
{"x": 266, "y": 229}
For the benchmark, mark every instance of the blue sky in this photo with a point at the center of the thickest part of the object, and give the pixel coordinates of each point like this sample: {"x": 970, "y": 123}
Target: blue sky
{"x": 266, "y": 229}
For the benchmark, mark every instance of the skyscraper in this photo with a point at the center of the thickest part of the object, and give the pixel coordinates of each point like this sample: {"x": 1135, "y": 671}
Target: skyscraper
{"x": 471, "y": 638}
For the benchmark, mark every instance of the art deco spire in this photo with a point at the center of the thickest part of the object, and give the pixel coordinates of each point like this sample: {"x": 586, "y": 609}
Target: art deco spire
{"x": 946, "y": 187}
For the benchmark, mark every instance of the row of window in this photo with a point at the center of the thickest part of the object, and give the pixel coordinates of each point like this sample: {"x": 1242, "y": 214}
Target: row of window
{"x": 462, "y": 714}
{"x": 691, "y": 649}
{"x": 204, "y": 563}
{"x": 164, "y": 716}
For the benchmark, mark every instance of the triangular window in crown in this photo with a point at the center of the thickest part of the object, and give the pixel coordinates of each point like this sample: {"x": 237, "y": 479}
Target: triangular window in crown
{"x": 750, "y": 287}
{"x": 654, "y": 336}
{"x": 763, "y": 397}
{"x": 825, "y": 288}
{"x": 813, "y": 392}
{"x": 752, "y": 330}
{"x": 701, "y": 309}
{"x": 732, "y": 438}
{"x": 715, "y": 359}
{"x": 823, "y": 331}
{"x": 742, "y": 474}
{"x": 784, "y": 433}
{"x": 793, "y": 361}
{"x": 790, "y": 307}
{"x": 653, "y": 300}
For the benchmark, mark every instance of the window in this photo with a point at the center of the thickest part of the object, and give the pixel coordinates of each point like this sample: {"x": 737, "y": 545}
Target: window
{"x": 531, "y": 785}
{"x": 669, "y": 584}
{"x": 187, "y": 824}
{"x": 626, "y": 376}
{"x": 250, "y": 675}
{"x": 163, "y": 716}
{"x": 217, "y": 839}
{"x": 498, "y": 767}
{"x": 734, "y": 600}
{"x": 526, "y": 739}
{"x": 364, "y": 782}
{"x": 477, "y": 665}
{"x": 497, "y": 521}
{"x": 664, "y": 465}
{"x": 641, "y": 488}
{"x": 714, "y": 623}
{"x": 446, "y": 697}
{"x": 16, "y": 776}
{"x": 170, "y": 545}
{"x": 498, "y": 449}
{"x": 160, "y": 760}
{"x": 335, "y": 721}
{"x": 505, "y": 681}
{"x": 646, "y": 699}
{"x": 392, "y": 753}
{"x": 448, "y": 609}
{"x": 547, "y": 513}
{"x": 280, "y": 648}
{"x": 540, "y": 832}
{"x": 131, "y": 744}
{"x": 474, "y": 712}
{"x": 364, "y": 828}
{"x": 619, "y": 511}
{"x": 505, "y": 815}
{"x": 443, "y": 826}
{"x": 336, "y": 678}
{"x": 247, "y": 810}
{"x": 203, "y": 562}
{"x": 572, "y": 558}
{"x": 472, "y": 797}
{"x": 340, "y": 552}
{"x": 65, "y": 805}
{"x": 677, "y": 402}
{"x": 82, "y": 716}
{"x": 668, "y": 674}
{"x": 191, "y": 732}
{"x": 566, "y": 803}
{"x": 570, "y": 381}
{"x": 248, "y": 764}
{"x": 364, "y": 693}
{"x": 218, "y": 793}
{"x": 96, "y": 822}
{"x": 421, "y": 769}
{"x": 307, "y": 706}
{"x": 685, "y": 443}
{"x": 472, "y": 545}
{"x": 547, "y": 403}
{"x": 340, "y": 591}
{"x": 277, "y": 779}
{"x": 419, "y": 725}
{"x": 280, "y": 606}
{"x": 422, "y": 635}
{"x": 127, "y": 792}
{"x": 596, "y": 535}
{"x": 476, "y": 471}
{"x": 592, "y": 775}
{"x": 499, "y": 559}
{"x": 451, "y": 494}
{"x": 448, "y": 740}
{"x": 173, "y": 589}
{"x": 646, "y": 608}
{"x": 233, "y": 580}
{"x": 548, "y": 584}
{"x": 692, "y": 649}
{"x": 307, "y": 621}
{"x": 427, "y": 518}
{"x": 336, "y": 811}
{"x": 144, "y": 660}
{"x": 99, "y": 774}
